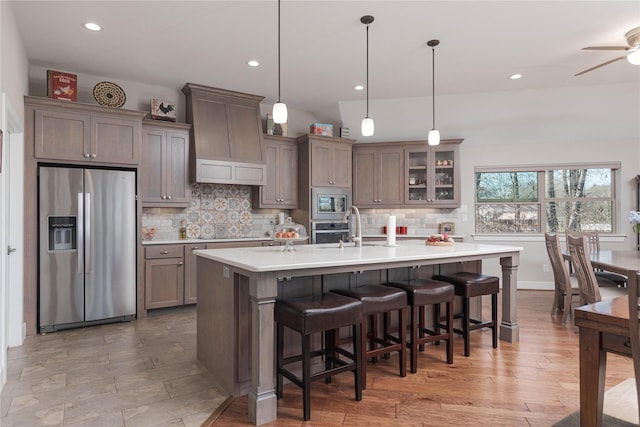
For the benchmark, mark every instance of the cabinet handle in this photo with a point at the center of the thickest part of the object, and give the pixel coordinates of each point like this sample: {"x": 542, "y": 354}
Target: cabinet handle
{"x": 195, "y": 248}
{"x": 168, "y": 197}
{"x": 164, "y": 252}
{"x": 93, "y": 156}
{"x": 163, "y": 197}
{"x": 180, "y": 264}
{"x": 86, "y": 155}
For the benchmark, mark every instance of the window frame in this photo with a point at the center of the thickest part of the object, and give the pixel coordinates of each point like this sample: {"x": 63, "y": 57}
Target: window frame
{"x": 543, "y": 201}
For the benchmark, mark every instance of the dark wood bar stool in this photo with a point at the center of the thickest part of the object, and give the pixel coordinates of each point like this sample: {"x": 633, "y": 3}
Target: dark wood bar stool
{"x": 322, "y": 313}
{"x": 383, "y": 300}
{"x": 421, "y": 293}
{"x": 470, "y": 285}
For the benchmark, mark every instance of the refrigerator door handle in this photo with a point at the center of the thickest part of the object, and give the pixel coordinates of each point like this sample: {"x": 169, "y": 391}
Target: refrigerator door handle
{"x": 87, "y": 231}
{"x": 80, "y": 233}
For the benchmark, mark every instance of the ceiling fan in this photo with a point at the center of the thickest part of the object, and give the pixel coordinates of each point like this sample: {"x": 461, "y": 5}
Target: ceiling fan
{"x": 632, "y": 54}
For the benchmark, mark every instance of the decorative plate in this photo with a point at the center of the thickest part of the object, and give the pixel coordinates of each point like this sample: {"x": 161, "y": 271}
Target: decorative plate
{"x": 109, "y": 94}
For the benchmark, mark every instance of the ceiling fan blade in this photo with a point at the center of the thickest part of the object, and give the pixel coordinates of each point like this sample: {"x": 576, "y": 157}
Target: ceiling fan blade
{"x": 605, "y": 48}
{"x": 601, "y": 65}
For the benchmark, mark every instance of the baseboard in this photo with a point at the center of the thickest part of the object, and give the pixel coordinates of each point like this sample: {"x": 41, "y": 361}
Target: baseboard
{"x": 536, "y": 286}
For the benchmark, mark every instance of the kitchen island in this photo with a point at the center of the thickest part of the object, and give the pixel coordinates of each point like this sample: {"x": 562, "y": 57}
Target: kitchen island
{"x": 237, "y": 289}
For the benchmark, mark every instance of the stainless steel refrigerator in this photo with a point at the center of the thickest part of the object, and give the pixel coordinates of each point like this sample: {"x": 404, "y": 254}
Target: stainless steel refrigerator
{"x": 87, "y": 254}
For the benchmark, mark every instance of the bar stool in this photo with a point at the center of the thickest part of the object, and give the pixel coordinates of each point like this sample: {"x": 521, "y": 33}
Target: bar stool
{"x": 420, "y": 293}
{"x": 383, "y": 300}
{"x": 319, "y": 313}
{"x": 470, "y": 285}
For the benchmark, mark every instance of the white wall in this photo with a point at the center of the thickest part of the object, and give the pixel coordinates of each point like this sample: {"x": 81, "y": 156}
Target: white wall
{"x": 13, "y": 86}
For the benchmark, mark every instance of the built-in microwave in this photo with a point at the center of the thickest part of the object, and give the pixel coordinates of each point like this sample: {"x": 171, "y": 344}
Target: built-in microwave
{"x": 329, "y": 203}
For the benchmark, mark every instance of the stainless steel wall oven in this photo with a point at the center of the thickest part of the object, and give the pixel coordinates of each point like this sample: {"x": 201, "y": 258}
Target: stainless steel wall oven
{"x": 329, "y": 232}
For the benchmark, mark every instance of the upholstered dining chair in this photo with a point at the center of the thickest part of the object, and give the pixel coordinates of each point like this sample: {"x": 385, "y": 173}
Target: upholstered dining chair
{"x": 594, "y": 246}
{"x": 591, "y": 290}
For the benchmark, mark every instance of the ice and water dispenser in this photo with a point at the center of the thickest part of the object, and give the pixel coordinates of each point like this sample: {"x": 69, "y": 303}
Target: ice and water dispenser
{"x": 62, "y": 233}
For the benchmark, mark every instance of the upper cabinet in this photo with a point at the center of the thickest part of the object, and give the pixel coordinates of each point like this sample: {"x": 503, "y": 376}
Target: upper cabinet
{"x": 227, "y": 130}
{"x": 329, "y": 160}
{"x": 406, "y": 174}
{"x": 281, "y": 190}
{"x": 378, "y": 178}
{"x": 70, "y": 131}
{"x": 165, "y": 164}
{"x": 432, "y": 174}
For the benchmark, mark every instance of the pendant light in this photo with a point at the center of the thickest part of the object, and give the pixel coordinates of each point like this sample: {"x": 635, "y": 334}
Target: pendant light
{"x": 434, "y": 134}
{"x": 279, "y": 108}
{"x": 367, "y": 123}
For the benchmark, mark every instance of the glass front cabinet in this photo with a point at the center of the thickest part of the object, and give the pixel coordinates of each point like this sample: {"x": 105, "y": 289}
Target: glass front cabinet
{"x": 432, "y": 174}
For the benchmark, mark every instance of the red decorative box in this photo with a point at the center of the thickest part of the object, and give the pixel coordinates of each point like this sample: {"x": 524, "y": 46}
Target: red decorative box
{"x": 321, "y": 129}
{"x": 62, "y": 85}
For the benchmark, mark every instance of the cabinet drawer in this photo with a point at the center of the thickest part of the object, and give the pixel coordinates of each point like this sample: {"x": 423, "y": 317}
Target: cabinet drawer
{"x": 168, "y": 251}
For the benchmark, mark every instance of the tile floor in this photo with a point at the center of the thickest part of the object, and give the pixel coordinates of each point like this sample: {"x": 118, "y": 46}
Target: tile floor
{"x": 139, "y": 373}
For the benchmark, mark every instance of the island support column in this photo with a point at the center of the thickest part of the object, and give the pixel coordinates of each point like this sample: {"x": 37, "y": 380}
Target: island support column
{"x": 509, "y": 328}
{"x": 263, "y": 289}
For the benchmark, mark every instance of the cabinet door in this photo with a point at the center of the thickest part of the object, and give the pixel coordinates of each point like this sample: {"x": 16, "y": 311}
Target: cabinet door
{"x": 177, "y": 177}
{"x": 390, "y": 177}
{"x": 62, "y": 135}
{"x": 321, "y": 164}
{"x": 153, "y": 167}
{"x": 417, "y": 178}
{"x": 269, "y": 193}
{"x": 164, "y": 282}
{"x": 115, "y": 140}
{"x": 288, "y": 176}
{"x": 191, "y": 272}
{"x": 445, "y": 177}
{"x": 341, "y": 163}
{"x": 364, "y": 184}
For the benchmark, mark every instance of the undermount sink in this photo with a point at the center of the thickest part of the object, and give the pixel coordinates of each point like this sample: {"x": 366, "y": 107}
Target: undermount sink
{"x": 346, "y": 245}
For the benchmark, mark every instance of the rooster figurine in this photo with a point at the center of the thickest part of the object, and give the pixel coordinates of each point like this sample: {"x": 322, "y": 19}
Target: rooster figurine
{"x": 167, "y": 109}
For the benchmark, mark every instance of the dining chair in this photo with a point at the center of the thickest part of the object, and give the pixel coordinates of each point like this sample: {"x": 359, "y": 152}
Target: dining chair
{"x": 566, "y": 285}
{"x": 591, "y": 290}
{"x": 594, "y": 246}
{"x": 634, "y": 327}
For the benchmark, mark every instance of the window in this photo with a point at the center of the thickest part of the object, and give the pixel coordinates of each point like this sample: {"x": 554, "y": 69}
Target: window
{"x": 551, "y": 198}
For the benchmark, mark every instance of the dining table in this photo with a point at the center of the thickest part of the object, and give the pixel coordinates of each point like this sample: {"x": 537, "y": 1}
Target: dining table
{"x": 605, "y": 327}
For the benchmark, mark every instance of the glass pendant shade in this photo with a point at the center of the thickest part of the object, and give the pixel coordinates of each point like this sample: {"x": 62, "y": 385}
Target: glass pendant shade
{"x": 280, "y": 112}
{"x": 367, "y": 126}
{"x": 434, "y": 137}
{"x": 634, "y": 57}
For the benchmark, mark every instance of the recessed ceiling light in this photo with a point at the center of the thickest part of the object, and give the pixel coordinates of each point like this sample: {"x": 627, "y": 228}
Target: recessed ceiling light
{"x": 358, "y": 87}
{"x": 253, "y": 63}
{"x": 515, "y": 76}
{"x": 92, "y": 26}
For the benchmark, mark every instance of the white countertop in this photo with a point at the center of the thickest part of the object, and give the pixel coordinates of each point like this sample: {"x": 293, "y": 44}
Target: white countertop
{"x": 188, "y": 241}
{"x": 273, "y": 258}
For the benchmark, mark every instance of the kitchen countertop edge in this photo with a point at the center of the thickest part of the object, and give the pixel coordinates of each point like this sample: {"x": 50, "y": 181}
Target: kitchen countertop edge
{"x": 192, "y": 241}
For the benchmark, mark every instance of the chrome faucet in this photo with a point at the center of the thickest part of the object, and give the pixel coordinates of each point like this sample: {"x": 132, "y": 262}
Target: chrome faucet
{"x": 357, "y": 239}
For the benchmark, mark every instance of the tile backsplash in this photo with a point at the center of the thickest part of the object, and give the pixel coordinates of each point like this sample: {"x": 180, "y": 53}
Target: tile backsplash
{"x": 223, "y": 211}
{"x": 217, "y": 211}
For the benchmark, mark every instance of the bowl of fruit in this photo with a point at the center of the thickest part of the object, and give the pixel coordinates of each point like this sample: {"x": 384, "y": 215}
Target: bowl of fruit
{"x": 439, "y": 240}
{"x": 289, "y": 232}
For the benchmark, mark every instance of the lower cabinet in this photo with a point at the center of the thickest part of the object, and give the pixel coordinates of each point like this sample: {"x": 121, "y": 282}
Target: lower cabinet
{"x": 164, "y": 276}
{"x": 171, "y": 271}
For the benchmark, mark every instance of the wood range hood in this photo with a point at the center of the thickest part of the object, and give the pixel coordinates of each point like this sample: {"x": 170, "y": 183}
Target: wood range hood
{"x": 228, "y": 146}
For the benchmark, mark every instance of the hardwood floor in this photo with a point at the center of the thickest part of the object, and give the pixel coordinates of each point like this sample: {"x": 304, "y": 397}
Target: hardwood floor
{"x": 533, "y": 383}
